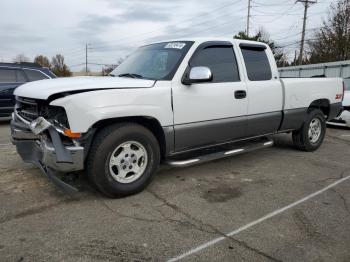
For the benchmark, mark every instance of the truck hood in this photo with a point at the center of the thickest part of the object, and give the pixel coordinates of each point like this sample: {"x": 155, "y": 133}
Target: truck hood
{"x": 43, "y": 89}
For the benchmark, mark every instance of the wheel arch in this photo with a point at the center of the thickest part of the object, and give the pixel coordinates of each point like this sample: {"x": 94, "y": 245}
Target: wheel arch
{"x": 163, "y": 135}
{"x": 322, "y": 104}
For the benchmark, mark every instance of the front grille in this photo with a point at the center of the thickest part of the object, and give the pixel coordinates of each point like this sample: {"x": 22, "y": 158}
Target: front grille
{"x": 27, "y": 108}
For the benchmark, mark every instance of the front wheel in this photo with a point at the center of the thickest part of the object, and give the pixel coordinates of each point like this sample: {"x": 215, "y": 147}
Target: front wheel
{"x": 123, "y": 159}
{"x": 310, "y": 136}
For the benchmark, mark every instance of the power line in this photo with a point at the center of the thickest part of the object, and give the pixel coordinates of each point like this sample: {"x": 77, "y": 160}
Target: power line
{"x": 296, "y": 43}
{"x": 176, "y": 24}
{"x": 294, "y": 35}
{"x": 279, "y": 4}
{"x": 281, "y": 15}
{"x": 75, "y": 65}
{"x": 253, "y": 5}
{"x": 89, "y": 48}
{"x": 174, "y": 32}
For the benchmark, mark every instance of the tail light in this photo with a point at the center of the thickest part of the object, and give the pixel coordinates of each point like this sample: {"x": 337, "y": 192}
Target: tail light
{"x": 341, "y": 96}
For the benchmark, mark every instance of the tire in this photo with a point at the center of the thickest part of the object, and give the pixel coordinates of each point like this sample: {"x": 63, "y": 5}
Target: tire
{"x": 107, "y": 172}
{"x": 301, "y": 138}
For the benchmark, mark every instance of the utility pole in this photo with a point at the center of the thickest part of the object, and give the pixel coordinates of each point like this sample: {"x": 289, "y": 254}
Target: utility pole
{"x": 86, "y": 59}
{"x": 248, "y": 17}
{"x": 307, "y": 4}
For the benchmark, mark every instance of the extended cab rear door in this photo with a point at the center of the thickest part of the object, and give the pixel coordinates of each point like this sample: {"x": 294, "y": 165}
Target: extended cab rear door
{"x": 212, "y": 112}
{"x": 265, "y": 92}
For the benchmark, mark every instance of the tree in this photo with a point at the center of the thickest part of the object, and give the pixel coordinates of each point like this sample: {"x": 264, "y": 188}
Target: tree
{"x": 58, "y": 67}
{"x": 263, "y": 36}
{"x": 42, "y": 60}
{"x": 20, "y": 58}
{"x": 332, "y": 41}
{"x": 296, "y": 61}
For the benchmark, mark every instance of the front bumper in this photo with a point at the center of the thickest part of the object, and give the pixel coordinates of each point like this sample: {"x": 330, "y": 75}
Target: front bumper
{"x": 47, "y": 151}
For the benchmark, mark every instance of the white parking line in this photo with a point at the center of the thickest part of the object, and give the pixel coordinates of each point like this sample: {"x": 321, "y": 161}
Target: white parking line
{"x": 258, "y": 221}
{"x": 5, "y": 144}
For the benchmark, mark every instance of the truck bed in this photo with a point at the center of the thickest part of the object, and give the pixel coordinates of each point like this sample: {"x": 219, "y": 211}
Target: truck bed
{"x": 301, "y": 92}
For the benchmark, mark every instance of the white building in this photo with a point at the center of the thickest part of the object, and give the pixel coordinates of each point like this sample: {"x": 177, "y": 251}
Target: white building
{"x": 333, "y": 69}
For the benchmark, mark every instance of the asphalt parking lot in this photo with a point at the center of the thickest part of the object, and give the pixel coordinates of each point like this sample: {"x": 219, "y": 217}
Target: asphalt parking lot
{"x": 273, "y": 203}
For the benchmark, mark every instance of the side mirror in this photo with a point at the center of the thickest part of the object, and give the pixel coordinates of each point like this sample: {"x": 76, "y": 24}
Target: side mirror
{"x": 198, "y": 74}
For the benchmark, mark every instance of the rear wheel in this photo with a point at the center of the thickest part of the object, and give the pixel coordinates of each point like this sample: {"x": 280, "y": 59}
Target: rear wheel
{"x": 310, "y": 136}
{"x": 123, "y": 159}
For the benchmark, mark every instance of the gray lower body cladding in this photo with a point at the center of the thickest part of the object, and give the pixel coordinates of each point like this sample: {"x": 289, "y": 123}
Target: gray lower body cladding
{"x": 293, "y": 118}
{"x": 261, "y": 124}
{"x": 192, "y": 136}
{"x": 206, "y": 133}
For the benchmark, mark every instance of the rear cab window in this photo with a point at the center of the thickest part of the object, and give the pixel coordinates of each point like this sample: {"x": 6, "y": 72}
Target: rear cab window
{"x": 256, "y": 62}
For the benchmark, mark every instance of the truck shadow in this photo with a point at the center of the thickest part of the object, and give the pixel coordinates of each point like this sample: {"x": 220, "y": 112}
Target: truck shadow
{"x": 5, "y": 121}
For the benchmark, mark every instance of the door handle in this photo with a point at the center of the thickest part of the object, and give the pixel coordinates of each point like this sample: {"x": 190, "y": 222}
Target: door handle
{"x": 240, "y": 94}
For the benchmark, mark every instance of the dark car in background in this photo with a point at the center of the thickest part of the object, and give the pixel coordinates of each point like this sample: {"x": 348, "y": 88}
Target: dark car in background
{"x": 13, "y": 75}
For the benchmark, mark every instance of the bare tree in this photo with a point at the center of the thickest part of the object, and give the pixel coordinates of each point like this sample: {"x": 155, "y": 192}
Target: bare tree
{"x": 332, "y": 40}
{"x": 20, "y": 58}
{"x": 42, "y": 60}
{"x": 58, "y": 67}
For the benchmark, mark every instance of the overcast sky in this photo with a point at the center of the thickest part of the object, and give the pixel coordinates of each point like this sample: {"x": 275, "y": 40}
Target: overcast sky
{"x": 113, "y": 28}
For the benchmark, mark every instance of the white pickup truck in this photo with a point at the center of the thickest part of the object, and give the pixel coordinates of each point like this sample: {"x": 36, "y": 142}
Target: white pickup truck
{"x": 176, "y": 102}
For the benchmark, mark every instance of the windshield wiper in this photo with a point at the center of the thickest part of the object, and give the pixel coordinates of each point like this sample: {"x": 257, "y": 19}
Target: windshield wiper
{"x": 130, "y": 75}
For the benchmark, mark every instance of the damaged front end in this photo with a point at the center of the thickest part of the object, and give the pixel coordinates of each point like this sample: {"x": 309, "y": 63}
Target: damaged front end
{"x": 39, "y": 132}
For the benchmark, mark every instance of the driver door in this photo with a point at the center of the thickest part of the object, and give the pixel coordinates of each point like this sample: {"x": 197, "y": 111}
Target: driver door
{"x": 215, "y": 111}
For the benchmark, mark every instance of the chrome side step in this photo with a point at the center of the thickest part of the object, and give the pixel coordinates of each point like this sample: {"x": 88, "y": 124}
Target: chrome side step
{"x": 202, "y": 157}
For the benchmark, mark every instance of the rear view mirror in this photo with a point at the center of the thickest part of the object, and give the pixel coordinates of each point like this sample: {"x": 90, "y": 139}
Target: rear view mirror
{"x": 198, "y": 74}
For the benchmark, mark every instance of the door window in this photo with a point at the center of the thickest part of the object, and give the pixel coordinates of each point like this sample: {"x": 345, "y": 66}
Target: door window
{"x": 7, "y": 76}
{"x": 20, "y": 76}
{"x": 222, "y": 62}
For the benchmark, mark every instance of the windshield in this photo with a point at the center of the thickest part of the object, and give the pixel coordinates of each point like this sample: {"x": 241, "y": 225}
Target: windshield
{"x": 157, "y": 61}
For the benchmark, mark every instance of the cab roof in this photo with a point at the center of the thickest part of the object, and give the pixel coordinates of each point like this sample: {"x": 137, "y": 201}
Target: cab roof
{"x": 200, "y": 40}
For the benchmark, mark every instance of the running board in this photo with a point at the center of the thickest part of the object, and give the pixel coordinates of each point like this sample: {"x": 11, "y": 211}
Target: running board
{"x": 218, "y": 154}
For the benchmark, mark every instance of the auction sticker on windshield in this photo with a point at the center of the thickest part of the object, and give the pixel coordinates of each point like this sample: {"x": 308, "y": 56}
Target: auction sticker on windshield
{"x": 175, "y": 45}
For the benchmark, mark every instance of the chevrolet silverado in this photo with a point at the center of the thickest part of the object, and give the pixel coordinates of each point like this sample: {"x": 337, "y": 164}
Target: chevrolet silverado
{"x": 177, "y": 102}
